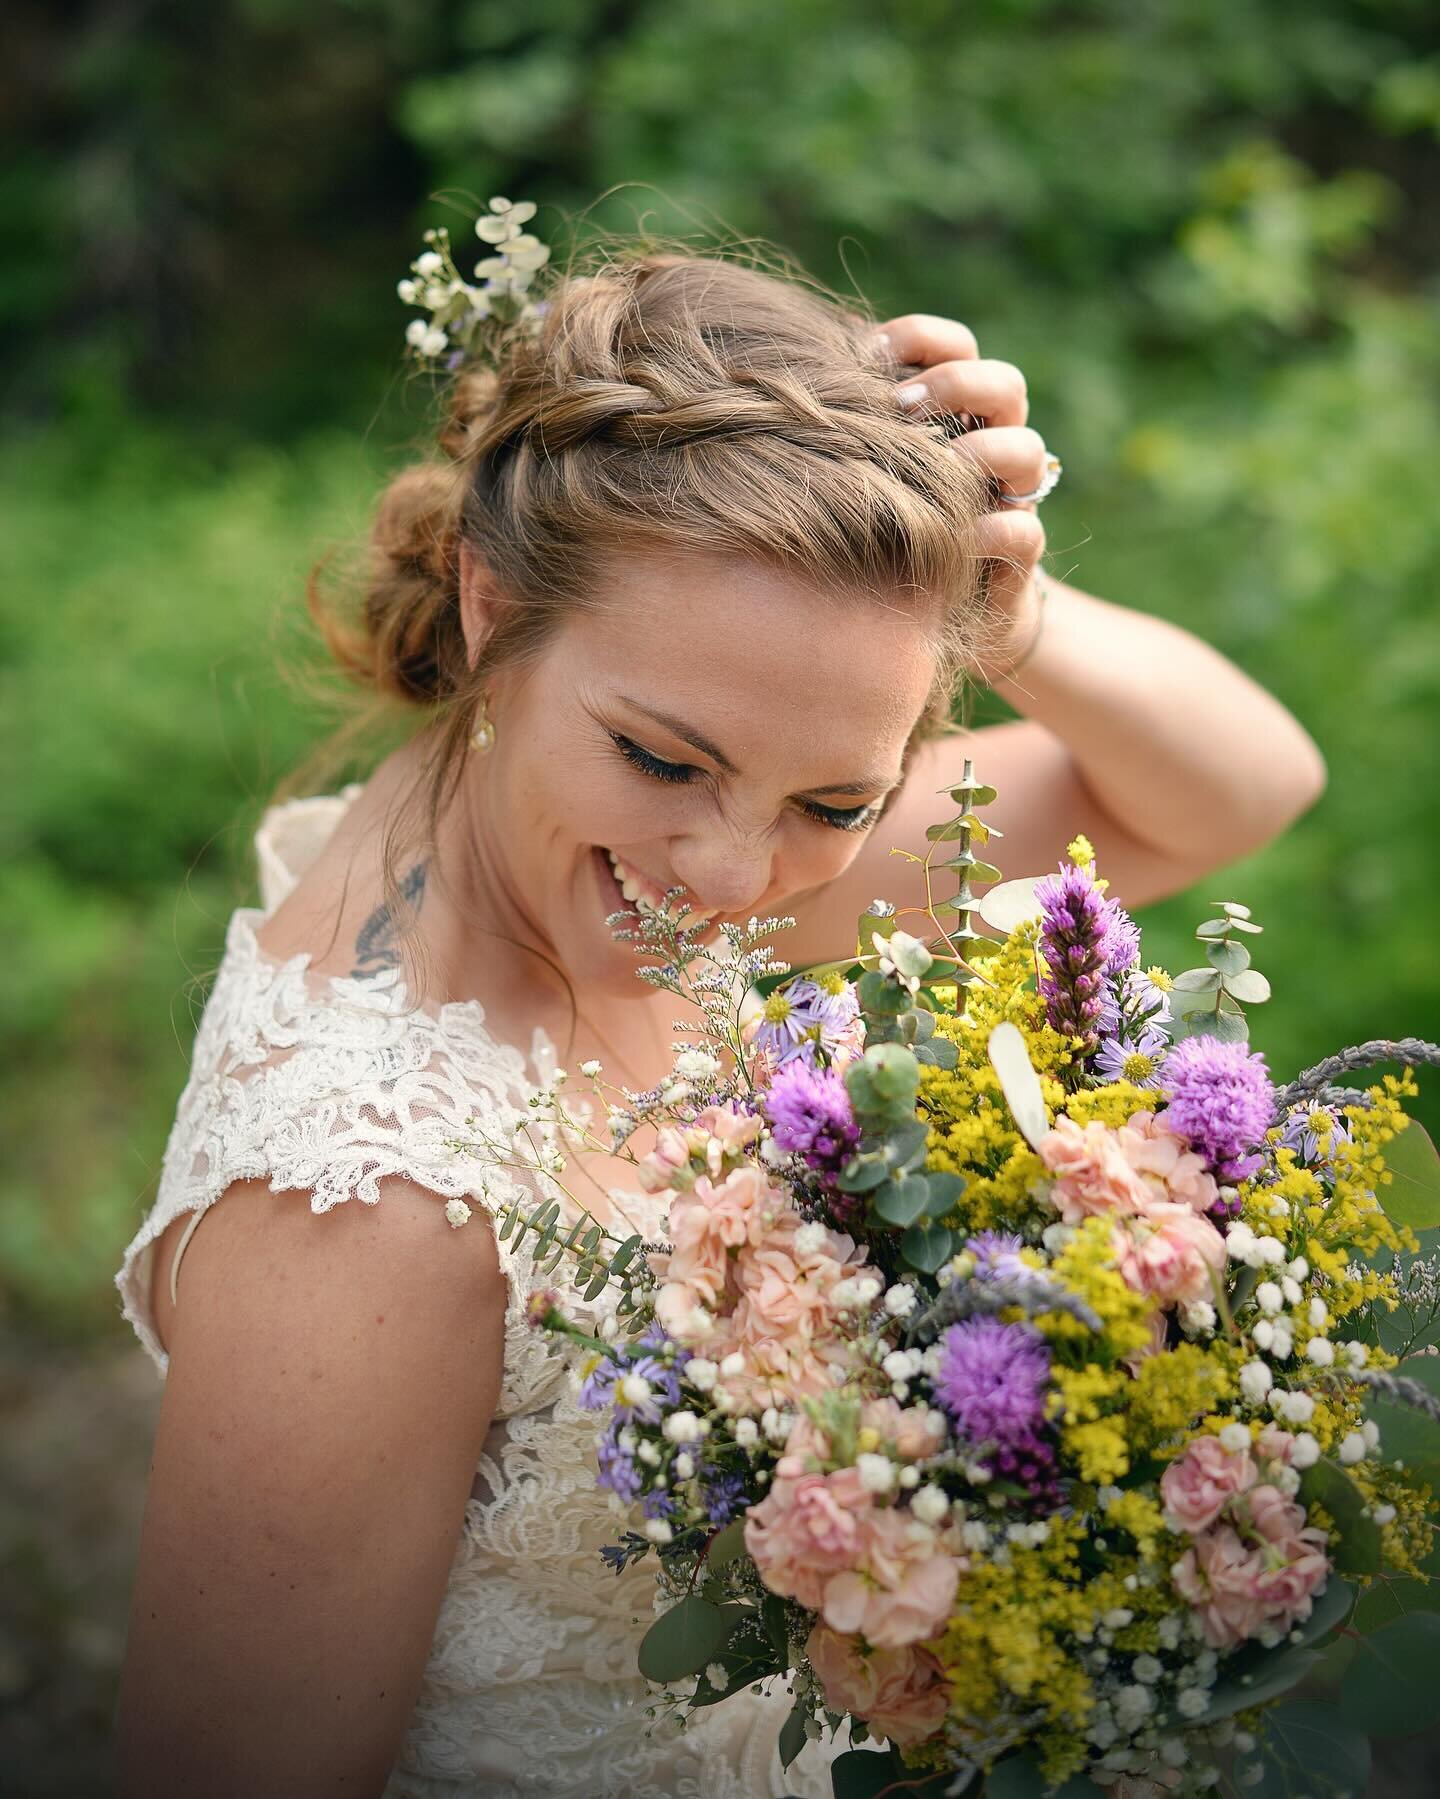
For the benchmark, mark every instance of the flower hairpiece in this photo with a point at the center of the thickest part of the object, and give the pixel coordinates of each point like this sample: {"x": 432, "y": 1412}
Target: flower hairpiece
{"x": 467, "y": 319}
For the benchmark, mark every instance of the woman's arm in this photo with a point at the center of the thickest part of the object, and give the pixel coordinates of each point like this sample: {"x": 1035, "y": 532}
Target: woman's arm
{"x": 331, "y": 1381}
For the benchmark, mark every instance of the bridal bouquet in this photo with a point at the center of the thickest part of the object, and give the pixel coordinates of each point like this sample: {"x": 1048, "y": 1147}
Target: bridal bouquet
{"x": 1026, "y": 1381}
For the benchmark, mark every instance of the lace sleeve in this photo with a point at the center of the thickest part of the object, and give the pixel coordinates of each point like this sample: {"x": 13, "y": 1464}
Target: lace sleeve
{"x": 326, "y": 1085}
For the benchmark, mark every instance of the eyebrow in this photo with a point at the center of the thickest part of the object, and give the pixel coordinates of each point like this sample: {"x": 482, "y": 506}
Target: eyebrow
{"x": 687, "y": 734}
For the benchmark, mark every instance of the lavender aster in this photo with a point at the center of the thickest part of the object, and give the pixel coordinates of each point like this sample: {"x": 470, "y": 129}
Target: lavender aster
{"x": 997, "y": 1255}
{"x": 811, "y": 1116}
{"x": 619, "y": 1472}
{"x": 1304, "y": 1128}
{"x": 1221, "y": 1102}
{"x": 806, "y": 1019}
{"x": 1136, "y": 1058}
{"x": 724, "y": 1494}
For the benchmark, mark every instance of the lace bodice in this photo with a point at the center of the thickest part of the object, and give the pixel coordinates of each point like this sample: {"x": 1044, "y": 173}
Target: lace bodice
{"x": 323, "y": 1085}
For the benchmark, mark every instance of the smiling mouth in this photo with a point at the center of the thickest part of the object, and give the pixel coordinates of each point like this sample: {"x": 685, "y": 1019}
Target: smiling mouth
{"x": 640, "y": 892}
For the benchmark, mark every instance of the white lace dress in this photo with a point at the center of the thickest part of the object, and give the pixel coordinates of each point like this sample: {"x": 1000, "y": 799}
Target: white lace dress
{"x": 325, "y": 1085}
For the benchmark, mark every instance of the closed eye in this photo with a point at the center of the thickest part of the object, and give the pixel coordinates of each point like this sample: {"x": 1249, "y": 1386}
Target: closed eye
{"x": 841, "y": 818}
{"x": 655, "y": 766}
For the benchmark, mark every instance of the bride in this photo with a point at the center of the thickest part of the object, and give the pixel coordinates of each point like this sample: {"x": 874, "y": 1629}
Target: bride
{"x": 683, "y": 602}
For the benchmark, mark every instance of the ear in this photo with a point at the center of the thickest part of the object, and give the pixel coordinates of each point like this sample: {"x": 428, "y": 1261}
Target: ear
{"x": 479, "y": 601}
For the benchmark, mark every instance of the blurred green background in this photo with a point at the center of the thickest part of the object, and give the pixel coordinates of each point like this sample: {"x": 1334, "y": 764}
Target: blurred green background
{"x": 1207, "y": 230}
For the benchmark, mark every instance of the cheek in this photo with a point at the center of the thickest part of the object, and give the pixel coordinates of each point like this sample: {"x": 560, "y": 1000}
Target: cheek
{"x": 813, "y": 853}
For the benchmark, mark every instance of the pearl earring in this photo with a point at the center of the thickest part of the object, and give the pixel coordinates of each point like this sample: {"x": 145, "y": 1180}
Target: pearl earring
{"x": 482, "y": 738}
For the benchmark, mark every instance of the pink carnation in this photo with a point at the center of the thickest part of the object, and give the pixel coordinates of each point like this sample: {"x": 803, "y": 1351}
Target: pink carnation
{"x": 903, "y": 1590}
{"x": 1198, "y": 1485}
{"x": 1170, "y": 1254}
{"x": 1240, "y": 1590}
{"x": 1093, "y": 1177}
{"x": 808, "y": 1528}
{"x": 1172, "y": 1171}
{"x": 900, "y": 1693}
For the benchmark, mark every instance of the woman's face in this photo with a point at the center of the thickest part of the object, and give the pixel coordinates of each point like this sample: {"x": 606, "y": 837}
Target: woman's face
{"x": 713, "y": 725}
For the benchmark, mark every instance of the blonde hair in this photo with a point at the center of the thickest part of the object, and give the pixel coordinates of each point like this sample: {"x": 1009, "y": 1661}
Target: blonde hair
{"x": 670, "y": 401}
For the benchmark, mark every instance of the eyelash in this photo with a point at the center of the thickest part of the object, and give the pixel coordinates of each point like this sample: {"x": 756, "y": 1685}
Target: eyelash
{"x": 838, "y": 818}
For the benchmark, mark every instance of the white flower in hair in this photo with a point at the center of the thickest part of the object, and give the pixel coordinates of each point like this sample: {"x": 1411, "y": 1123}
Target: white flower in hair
{"x": 468, "y": 320}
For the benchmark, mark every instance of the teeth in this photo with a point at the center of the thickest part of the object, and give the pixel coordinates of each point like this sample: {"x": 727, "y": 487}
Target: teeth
{"x": 634, "y": 889}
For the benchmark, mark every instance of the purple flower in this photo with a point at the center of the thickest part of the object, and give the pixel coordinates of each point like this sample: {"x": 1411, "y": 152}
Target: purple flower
{"x": 1122, "y": 941}
{"x": 1130, "y": 1000}
{"x": 724, "y": 1494}
{"x": 1075, "y": 939}
{"x": 598, "y": 1386}
{"x": 811, "y": 1116}
{"x": 1221, "y": 1102}
{"x": 1136, "y": 1058}
{"x": 664, "y": 1394}
{"x": 992, "y": 1378}
{"x": 618, "y": 1470}
{"x": 806, "y": 1018}
{"x": 997, "y": 1255}
{"x": 657, "y": 1504}
{"x": 1306, "y": 1125}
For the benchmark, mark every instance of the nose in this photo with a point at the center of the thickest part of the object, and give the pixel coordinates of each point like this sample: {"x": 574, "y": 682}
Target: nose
{"x": 722, "y": 872}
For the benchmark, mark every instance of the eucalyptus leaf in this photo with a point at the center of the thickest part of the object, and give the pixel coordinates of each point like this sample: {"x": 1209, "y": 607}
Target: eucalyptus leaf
{"x": 727, "y": 1545}
{"x": 1229, "y": 1027}
{"x": 1405, "y": 1433}
{"x": 1279, "y": 1670}
{"x": 901, "y": 1202}
{"x": 792, "y": 1733}
{"x": 1327, "y": 1613}
{"x": 1229, "y": 958}
{"x": 1020, "y": 1777}
{"x": 866, "y": 1773}
{"x": 939, "y": 1052}
{"x": 947, "y": 832}
{"x": 1307, "y": 1752}
{"x": 905, "y": 1144}
{"x": 1243, "y": 924}
{"x": 1011, "y": 904}
{"x": 862, "y": 1174}
{"x": 945, "y": 1189}
{"x": 1214, "y": 927}
{"x": 926, "y": 1246}
{"x": 1197, "y": 980}
{"x": 1386, "y": 1600}
{"x": 970, "y": 870}
{"x": 1392, "y": 1688}
{"x": 1232, "y": 908}
{"x": 1412, "y": 1195}
{"x": 973, "y": 796}
{"x": 682, "y": 1640}
{"x": 1249, "y": 985}
{"x": 1018, "y": 1081}
{"x": 1327, "y": 1484}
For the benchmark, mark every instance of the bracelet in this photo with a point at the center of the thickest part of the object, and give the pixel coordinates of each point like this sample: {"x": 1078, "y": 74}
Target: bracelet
{"x": 1042, "y": 589}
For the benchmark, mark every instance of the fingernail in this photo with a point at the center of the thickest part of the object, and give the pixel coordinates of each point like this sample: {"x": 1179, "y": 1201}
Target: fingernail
{"x": 913, "y": 393}
{"x": 883, "y": 346}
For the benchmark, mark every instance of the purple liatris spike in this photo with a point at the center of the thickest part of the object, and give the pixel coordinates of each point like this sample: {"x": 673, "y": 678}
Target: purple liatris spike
{"x": 811, "y": 1116}
{"x": 1220, "y": 1101}
{"x": 1075, "y": 941}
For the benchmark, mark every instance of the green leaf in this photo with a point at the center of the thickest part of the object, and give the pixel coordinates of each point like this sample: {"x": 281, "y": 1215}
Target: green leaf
{"x": 1275, "y": 1673}
{"x": 939, "y": 1052}
{"x": 905, "y": 1143}
{"x": 1393, "y": 1686}
{"x": 1413, "y": 1196}
{"x": 1019, "y": 1082}
{"x": 877, "y": 994}
{"x": 945, "y": 1189}
{"x": 973, "y": 796}
{"x": 1405, "y": 1433}
{"x": 948, "y": 832}
{"x": 1197, "y": 980}
{"x": 862, "y": 1174}
{"x": 1389, "y": 1599}
{"x": 1232, "y": 908}
{"x": 752, "y": 1660}
{"x": 926, "y": 1246}
{"x": 902, "y": 1202}
{"x": 866, "y": 1773}
{"x": 1228, "y": 1027}
{"x": 968, "y": 869}
{"x": 792, "y": 1733}
{"x": 1328, "y": 1613}
{"x": 1020, "y": 1777}
{"x": 1327, "y": 1484}
{"x": 1229, "y": 958}
{"x": 683, "y": 1640}
{"x": 1308, "y": 1752}
{"x": 1010, "y": 904}
{"x": 727, "y": 1545}
{"x": 1241, "y": 924}
{"x": 1213, "y": 927}
{"x": 1249, "y": 985}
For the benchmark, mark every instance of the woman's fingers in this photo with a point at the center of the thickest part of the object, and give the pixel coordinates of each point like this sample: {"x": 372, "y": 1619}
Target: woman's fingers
{"x": 924, "y": 338}
{"x": 994, "y": 391}
{"x": 1014, "y": 456}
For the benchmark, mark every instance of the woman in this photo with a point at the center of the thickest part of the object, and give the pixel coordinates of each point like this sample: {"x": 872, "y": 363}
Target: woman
{"x": 687, "y": 599}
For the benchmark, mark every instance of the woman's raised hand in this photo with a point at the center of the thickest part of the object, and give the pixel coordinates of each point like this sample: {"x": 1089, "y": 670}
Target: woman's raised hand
{"x": 989, "y": 399}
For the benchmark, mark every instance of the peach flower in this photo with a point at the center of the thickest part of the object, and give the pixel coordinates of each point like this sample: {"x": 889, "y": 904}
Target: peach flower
{"x": 1170, "y": 1254}
{"x": 913, "y": 1432}
{"x": 808, "y": 1529}
{"x": 1093, "y": 1178}
{"x": 1198, "y": 1485}
{"x": 1174, "y": 1173}
{"x": 904, "y": 1590}
{"x": 900, "y": 1693}
{"x": 1239, "y": 1590}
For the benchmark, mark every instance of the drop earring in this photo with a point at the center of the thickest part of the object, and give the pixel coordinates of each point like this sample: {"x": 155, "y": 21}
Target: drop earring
{"x": 482, "y": 738}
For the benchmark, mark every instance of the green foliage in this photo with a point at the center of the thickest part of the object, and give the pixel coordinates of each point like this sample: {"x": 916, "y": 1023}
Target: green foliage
{"x": 1392, "y": 1687}
{"x": 1309, "y": 1753}
{"x": 1223, "y": 309}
